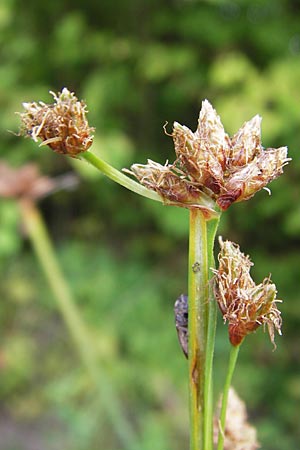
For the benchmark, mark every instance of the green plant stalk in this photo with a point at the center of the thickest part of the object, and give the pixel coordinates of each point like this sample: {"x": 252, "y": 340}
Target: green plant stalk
{"x": 222, "y": 422}
{"x": 119, "y": 177}
{"x": 202, "y": 317}
{"x": 43, "y": 248}
{"x": 212, "y": 227}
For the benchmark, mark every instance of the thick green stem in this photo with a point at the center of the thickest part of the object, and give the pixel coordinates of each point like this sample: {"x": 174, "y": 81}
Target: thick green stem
{"x": 202, "y": 318}
{"x": 222, "y": 423}
{"x": 118, "y": 176}
{"x": 45, "y": 253}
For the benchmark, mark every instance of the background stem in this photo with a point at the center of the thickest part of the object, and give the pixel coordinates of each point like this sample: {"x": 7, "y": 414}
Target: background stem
{"x": 231, "y": 366}
{"x": 41, "y": 243}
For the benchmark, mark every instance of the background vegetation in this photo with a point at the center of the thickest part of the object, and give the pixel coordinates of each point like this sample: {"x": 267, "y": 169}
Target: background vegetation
{"x": 138, "y": 64}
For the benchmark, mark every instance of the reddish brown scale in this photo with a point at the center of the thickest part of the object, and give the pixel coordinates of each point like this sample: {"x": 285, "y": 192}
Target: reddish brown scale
{"x": 225, "y": 200}
{"x": 212, "y": 184}
{"x": 237, "y": 331}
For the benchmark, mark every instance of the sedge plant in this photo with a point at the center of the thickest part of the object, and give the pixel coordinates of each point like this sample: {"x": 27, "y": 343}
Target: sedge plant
{"x": 210, "y": 172}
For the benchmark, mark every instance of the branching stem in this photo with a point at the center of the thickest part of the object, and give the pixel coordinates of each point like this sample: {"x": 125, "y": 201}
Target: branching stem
{"x": 119, "y": 177}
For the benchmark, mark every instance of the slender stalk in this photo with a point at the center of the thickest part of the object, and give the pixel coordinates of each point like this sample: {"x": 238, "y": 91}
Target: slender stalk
{"x": 46, "y": 256}
{"x": 118, "y": 176}
{"x": 212, "y": 226}
{"x": 232, "y": 362}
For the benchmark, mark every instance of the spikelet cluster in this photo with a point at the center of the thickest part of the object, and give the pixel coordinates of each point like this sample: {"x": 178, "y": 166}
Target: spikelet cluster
{"x": 210, "y": 164}
{"x": 243, "y": 304}
{"x": 62, "y": 126}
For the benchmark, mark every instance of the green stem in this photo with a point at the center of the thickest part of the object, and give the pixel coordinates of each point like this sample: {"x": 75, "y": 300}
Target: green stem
{"x": 119, "y": 177}
{"x": 41, "y": 243}
{"x": 232, "y": 362}
{"x": 202, "y": 318}
{"x": 212, "y": 227}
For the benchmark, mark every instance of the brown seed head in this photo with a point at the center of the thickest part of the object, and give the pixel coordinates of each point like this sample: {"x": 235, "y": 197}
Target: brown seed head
{"x": 25, "y": 182}
{"x": 209, "y": 162}
{"x": 62, "y": 126}
{"x": 168, "y": 181}
{"x": 244, "y": 304}
{"x": 230, "y": 170}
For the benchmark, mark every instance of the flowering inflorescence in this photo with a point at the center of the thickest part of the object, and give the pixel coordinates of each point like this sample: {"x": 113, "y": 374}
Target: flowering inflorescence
{"x": 243, "y": 304}
{"x": 27, "y": 183}
{"x": 171, "y": 184}
{"x": 211, "y": 164}
{"x": 24, "y": 182}
{"x": 210, "y": 172}
{"x": 62, "y": 126}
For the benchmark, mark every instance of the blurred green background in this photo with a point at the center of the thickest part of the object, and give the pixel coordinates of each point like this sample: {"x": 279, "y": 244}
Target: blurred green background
{"x": 139, "y": 64}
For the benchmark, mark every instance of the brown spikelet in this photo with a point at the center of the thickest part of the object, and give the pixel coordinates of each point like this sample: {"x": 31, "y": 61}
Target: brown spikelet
{"x": 209, "y": 162}
{"x": 238, "y": 433}
{"x": 244, "y": 305}
{"x": 62, "y": 126}
{"x": 24, "y": 182}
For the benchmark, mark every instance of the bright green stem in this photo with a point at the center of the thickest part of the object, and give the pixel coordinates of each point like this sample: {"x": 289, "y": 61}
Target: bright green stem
{"x": 232, "y": 362}
{"x": 202, "y": 317}
{"x": 119, "y": 177}
{"x": 45, "y": 253}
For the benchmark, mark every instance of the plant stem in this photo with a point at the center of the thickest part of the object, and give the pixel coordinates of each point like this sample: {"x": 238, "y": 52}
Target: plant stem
{"x": 118, "y": 176}
{"x": 42, "y": 245}
{"x": 222, "y": 423}
{"x": 212, "y": 226}
{"x": 202, "y": 318}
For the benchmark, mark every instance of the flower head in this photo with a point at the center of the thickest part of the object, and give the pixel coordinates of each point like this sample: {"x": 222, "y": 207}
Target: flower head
{"x": 168, "y": 181}
{"x": 244, "y": 304}
{"x": 62, "y": 126}
{"x": 25, "y": 182}
{"x": 209, "y": 162}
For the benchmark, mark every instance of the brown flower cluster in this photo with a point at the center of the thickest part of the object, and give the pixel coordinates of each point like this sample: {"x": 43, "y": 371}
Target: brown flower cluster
{"x": 172, "y": 185}
{"x": 238, "y": 433}
{"x": 25, "y": 182}
{"x": 210, "y": 164}
{"x": 62, "y": 126}
{"x": 244, "y": 305}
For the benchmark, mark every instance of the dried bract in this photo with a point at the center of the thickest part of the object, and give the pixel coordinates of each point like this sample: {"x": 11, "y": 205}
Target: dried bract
{"x": 62, "y": 126}
{"x": 209, "y": 162}
{"x": 244, "y": 304}
{"x": 238, "y": 433}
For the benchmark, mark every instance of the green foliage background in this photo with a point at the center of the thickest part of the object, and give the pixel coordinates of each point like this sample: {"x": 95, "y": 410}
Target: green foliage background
{"x": 139, "y": 64}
